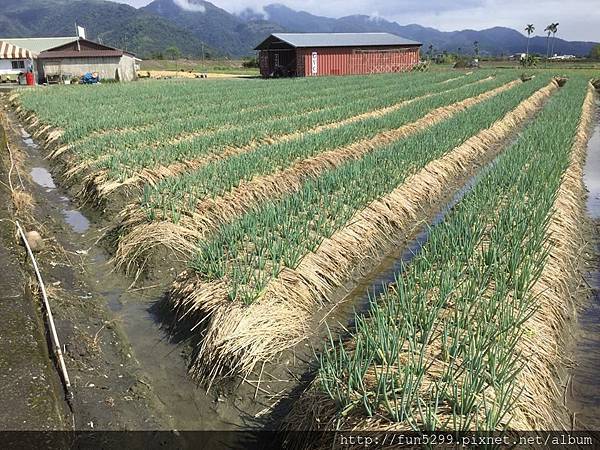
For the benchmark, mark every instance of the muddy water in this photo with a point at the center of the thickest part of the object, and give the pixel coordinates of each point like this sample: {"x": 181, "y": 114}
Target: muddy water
{"x": 591, "y": 176}
{"x": 385, "y": 273}
{"x": 585, "y": 391}
{"x": 187, "y": 406}
{"x": 43, "y": 178}
{"x": 163, "y": 369}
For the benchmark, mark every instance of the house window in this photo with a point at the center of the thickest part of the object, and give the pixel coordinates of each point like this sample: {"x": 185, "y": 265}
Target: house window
{"x": 18, "y": 64}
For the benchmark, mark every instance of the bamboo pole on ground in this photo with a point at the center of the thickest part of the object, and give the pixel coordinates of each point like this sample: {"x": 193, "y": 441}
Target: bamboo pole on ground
{"x": 50, "y": 319}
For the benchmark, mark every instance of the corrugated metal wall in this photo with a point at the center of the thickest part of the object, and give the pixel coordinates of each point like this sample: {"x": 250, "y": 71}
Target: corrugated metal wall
{"x": 263, "y": 62}
{"x": 355, "y": 61}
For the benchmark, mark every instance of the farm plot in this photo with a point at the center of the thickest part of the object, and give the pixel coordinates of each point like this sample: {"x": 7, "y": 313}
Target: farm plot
{"x": 461, "y": 340}
{"x": 256, "y": 280}
{"x": 140, "y": 106}
{"x": 156, "y": 157}
{"x": 196, "y": 201}
{"x": 276, "y": 194}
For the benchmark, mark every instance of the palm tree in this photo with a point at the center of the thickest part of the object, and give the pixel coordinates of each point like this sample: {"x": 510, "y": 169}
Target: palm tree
{"x": 430, "y": 51}
{"x": 554, "y": 31}
{"x": 548, "y": 30}
{"x": 476, "y": 48}
{"x": 530, "y": 29}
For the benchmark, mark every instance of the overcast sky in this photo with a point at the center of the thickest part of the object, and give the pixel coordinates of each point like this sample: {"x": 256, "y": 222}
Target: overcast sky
{"x": 579, "y": 19}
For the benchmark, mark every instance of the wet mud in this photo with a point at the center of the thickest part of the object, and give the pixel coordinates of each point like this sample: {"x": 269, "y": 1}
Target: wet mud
{"x": 110, "y": 391}
{"x": 28, "y": 381}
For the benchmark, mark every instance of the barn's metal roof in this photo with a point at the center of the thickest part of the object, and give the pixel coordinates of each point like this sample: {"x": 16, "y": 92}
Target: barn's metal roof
{"x": 82, "y": 48}
{"x": 38, "y": 45}
{"x": 339, "y": 40}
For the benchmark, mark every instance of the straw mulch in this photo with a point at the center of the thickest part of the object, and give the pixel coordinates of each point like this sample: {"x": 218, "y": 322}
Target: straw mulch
{"x": 236, "y": 337}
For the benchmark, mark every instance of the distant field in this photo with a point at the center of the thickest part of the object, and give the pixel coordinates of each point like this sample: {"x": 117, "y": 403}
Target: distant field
{"x": 279, "y": 195}
{"x": 230, "y": 66}
{"x": 550, "y": 65}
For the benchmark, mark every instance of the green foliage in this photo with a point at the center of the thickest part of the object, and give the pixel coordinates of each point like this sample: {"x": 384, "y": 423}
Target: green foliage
{"x": 172, "y": 53}
{"x": 494, "y": 238}
{"x": 250, "y": 63}
{"x": 463, "y": 62}
{"x": 251, "y": 251}
{"x": 181, "y": 193}
{"x": 529, "y": 61}
{"x": 461, "y": 303}
{"x": 595, "y": 52}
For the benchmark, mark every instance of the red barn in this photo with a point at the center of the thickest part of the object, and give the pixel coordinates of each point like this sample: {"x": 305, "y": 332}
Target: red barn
{"x": 316, "y": 54}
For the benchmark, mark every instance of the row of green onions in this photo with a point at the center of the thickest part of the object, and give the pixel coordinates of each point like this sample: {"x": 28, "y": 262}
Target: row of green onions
{"x": 437, "y": 350}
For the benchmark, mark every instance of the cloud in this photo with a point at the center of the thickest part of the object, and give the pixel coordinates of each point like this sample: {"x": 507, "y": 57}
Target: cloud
{"x": 189, "y": 5}
{"x": 339, "y": 8}
{"x": 577, "y": 18}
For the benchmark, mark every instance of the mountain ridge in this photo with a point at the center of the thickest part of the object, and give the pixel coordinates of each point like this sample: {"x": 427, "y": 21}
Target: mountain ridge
{"x": 204, "y": 27}
{"x": 493, "y": 41}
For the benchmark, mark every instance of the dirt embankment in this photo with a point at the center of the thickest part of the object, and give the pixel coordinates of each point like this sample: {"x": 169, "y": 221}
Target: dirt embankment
{"x": 28, "y": 382}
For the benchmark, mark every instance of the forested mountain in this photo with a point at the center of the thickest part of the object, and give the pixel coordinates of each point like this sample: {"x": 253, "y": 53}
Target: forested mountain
{"x": 493, "y": 41}
{"x": 193, "y": 25}
{"x": 111, "y": 23}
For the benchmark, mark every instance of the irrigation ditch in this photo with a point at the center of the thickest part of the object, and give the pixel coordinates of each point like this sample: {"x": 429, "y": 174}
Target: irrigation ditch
{"x": 129, "y": 373}
{"x": 110, "y": 393}
{"x": 583, "y": 393}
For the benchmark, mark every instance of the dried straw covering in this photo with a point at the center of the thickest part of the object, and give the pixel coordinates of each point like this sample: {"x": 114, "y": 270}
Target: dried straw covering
{"x": 541, "y": 349}
{"x": 237, "y": 337}
{"x": 142, "y": 237}
{"x": 541, "y": 405}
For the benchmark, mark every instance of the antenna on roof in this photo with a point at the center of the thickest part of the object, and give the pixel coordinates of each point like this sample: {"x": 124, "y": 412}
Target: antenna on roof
{"x": 80, "y": 35}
